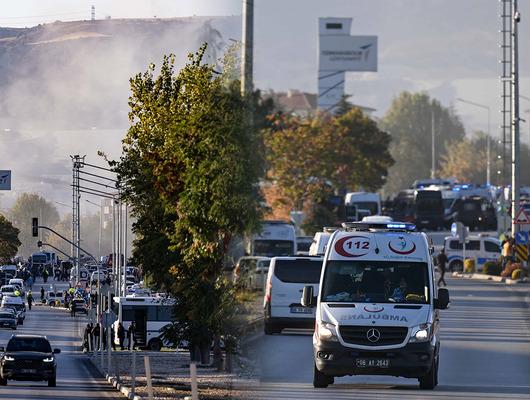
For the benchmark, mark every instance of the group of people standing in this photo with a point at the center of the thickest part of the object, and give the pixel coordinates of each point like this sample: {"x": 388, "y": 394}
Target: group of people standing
{"x": 92, "y": 339}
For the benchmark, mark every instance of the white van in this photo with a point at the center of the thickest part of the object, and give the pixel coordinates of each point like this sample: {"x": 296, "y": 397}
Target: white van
{"x": 481, "y": 248}
{"x": 276, "y": 238}
{"x": 377, "y": 309}
{"x": 320, "y": 241}
{"x": 361, "y": 204}
{"x": 286, "y": 279}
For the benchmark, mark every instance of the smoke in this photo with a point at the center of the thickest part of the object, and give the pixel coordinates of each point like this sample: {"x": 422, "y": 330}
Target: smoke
{"x": 65, "y": 89}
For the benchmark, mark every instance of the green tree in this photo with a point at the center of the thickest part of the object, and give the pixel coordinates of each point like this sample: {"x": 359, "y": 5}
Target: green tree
{"x": 9, "y": 242}
{"x": 190, "y": 169}
{"x": 462, "y": 160}
{"x": 26, "y": 207}
{"x": 409, "y": 120}
{"x": 311, "y": 158}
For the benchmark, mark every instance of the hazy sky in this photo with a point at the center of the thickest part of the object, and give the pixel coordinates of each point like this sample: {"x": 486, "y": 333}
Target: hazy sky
{"x": 449, "y": 48}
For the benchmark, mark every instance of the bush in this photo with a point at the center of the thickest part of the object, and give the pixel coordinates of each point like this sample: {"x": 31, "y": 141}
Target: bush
{"x": 510, "y": 267}
{"x": 469, "y": 265}
{"x": 518, "y": 274}
{"x": 492, "y": 268}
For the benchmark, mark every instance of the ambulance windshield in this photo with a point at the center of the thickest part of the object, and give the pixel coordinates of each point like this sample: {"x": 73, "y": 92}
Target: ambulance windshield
{"x": 376, "y": 282}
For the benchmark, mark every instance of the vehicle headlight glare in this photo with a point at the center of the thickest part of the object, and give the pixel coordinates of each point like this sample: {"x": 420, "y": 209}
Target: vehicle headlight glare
{"x": 48, "y": 359}
{"x": 421, "y": 333}
{"x": 327, "y": 332}
{"x": 8, "y": 358}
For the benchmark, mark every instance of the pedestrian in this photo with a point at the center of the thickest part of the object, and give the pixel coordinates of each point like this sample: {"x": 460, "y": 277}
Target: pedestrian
{"x": 42, "y": 294}
{"x": 112, "y": 341}
{"x": 29, "y": 298}
{"x": 442, "y": 261}
{"x": 87, "y": 337}
{"x": 121, "y": 335}
{"x": 30, "y": 282}
{"x": 130, "y": 335}
{"x": 45, "y": 275}
{"x": 507, "y": 251}
{"x": 95, "y": 334}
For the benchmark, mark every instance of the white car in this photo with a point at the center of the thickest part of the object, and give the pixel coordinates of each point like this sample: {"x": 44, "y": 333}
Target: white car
{"x": 481, "y": 248}
{"x": 377, "y": 306}
{"x": 17, "y": 305}
{"x": 20, "y": 283}
{"x": 286, "y": 279}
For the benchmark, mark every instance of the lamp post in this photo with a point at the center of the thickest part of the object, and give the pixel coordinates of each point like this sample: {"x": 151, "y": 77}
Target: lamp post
{"x": 488, "y": 140}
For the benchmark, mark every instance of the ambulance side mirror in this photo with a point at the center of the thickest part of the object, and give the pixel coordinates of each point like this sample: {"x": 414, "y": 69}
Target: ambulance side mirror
{"x": 308, "y": 300}
{"x": 442, "y": 302}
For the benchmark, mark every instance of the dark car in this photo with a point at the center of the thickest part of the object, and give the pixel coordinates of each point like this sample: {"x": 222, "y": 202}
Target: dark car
{"x": 79, "y": 305}
{"x": 8, "y": 319}
{"x": 28, "y": 358}
{"x": 474, "y": 212}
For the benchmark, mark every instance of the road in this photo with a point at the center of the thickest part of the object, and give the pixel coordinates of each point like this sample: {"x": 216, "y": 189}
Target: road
{"x": 76, "y": 378}
{"x": 485, "y": 354}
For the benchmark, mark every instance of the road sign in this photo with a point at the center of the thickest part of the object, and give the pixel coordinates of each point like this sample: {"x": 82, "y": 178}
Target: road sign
{"x": 521, "y": 237}
{"x": 521, "y": 252}
{"x": 5, "y": 180}
{"x": 522, "y": 217}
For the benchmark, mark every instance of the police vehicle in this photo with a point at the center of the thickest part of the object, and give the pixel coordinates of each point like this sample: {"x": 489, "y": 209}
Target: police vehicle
{"x": 377, "y": 305}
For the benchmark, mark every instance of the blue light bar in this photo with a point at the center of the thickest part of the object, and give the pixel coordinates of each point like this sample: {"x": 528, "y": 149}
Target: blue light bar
{"x": 399, "y": 225}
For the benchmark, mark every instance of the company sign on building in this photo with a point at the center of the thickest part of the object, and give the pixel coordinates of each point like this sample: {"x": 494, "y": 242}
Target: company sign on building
{"x": 340, "y": 52}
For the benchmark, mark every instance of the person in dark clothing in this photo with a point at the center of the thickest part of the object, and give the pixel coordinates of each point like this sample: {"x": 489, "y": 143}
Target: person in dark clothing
{"x": 95, "y": 334}
{"x": 130, "y": 335}
{"x": 29, "y": 298}
{"x": 42, "y": 294}
{"x": 121, "y": 335}
{"x": 112, "y": 342}
{"x": 442, "y": 261}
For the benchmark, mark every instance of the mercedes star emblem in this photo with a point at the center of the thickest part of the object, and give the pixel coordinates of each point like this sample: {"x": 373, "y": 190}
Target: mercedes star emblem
{"x": 373, "y": 335}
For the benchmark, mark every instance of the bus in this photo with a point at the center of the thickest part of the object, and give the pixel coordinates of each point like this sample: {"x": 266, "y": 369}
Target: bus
{"x": 150, "y": 314}
{"x": 361, "y": 204}
{"x": 276, "y": 238}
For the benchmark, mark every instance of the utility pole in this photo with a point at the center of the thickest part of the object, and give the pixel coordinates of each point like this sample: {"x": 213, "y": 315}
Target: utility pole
{"x": 247, "y": 48}
{"x": 433, "y": 146}
{"x": 515, "y": 118}
{"x": 93, "y": 13}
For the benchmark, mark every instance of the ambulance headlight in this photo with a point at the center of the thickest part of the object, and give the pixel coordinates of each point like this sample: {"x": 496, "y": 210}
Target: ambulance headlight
{"x": 421, "y": 333}
{"x": 326, "y": 332}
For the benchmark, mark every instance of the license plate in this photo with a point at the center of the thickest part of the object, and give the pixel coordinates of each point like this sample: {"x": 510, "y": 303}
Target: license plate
{"x": 372, "y": 363}
{"x": 301, "y": 310}
{"x": 28, "y": 371}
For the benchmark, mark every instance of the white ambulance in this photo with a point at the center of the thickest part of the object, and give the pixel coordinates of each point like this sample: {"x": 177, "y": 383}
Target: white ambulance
{"x": 377, "y": 305}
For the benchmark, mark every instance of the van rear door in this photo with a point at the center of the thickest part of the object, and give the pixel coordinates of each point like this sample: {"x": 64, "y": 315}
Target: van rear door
{"x": 288, "y": 281}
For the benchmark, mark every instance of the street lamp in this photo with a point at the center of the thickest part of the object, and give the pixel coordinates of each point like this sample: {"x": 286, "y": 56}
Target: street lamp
{"x": 488, "y": 146}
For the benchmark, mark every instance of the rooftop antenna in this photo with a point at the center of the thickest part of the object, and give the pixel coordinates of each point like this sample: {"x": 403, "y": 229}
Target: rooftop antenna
{"x": 93, "y": 13}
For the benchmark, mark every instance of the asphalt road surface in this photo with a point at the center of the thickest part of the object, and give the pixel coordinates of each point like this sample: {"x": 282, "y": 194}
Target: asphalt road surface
{"x": 485, "y": 354}
{"x": 76, "y": 378}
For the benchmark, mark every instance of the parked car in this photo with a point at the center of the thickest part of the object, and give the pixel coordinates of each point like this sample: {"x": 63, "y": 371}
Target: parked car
{"x": 481, "y": 248}
{"x": 17, "y": 305}
{"x": 28, "y": 358}
{"x": 8, "y": 319}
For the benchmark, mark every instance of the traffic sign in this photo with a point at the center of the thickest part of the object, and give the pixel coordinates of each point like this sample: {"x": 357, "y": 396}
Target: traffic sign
{"x": 5, "y": 180}
{"x": 522, "y": 217}
{"x": 521, "y": 252}
{"x": 521, "y": 237}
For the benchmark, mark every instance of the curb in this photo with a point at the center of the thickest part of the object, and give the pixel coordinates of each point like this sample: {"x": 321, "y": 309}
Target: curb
{"x": 493, "y": 278}
{"x": 125, "y": 390}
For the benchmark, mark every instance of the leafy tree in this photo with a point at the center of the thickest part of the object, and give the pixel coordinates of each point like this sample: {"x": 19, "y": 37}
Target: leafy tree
{"x": 311, "y": 158}
{"x": 9, "y": 242}
{"x": 464, "y": 162}
{"x": 190, "y": 169}
{"x": 26, "y": 207}
{"x": 409, "y": 120}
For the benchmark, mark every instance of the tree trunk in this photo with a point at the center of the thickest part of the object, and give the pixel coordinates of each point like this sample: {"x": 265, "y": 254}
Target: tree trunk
{"x": 217, "y": 354}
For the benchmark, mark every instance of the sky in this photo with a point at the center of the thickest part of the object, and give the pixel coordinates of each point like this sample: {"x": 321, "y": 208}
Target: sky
{"x": 448, "y": 48}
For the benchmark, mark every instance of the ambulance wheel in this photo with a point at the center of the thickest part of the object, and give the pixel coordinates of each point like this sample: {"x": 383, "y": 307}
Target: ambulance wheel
{"x": 321, "y": 380}
{"x": 429, "y": 381}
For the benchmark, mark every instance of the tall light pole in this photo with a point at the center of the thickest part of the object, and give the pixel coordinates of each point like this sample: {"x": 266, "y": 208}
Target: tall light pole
{"x": 488, "y": 140}
{"x": 515, "y": 118}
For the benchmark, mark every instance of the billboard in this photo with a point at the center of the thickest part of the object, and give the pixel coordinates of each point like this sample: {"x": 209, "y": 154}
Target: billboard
{"x": 338, "y": 52}
{"x": 347, "y": 53}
